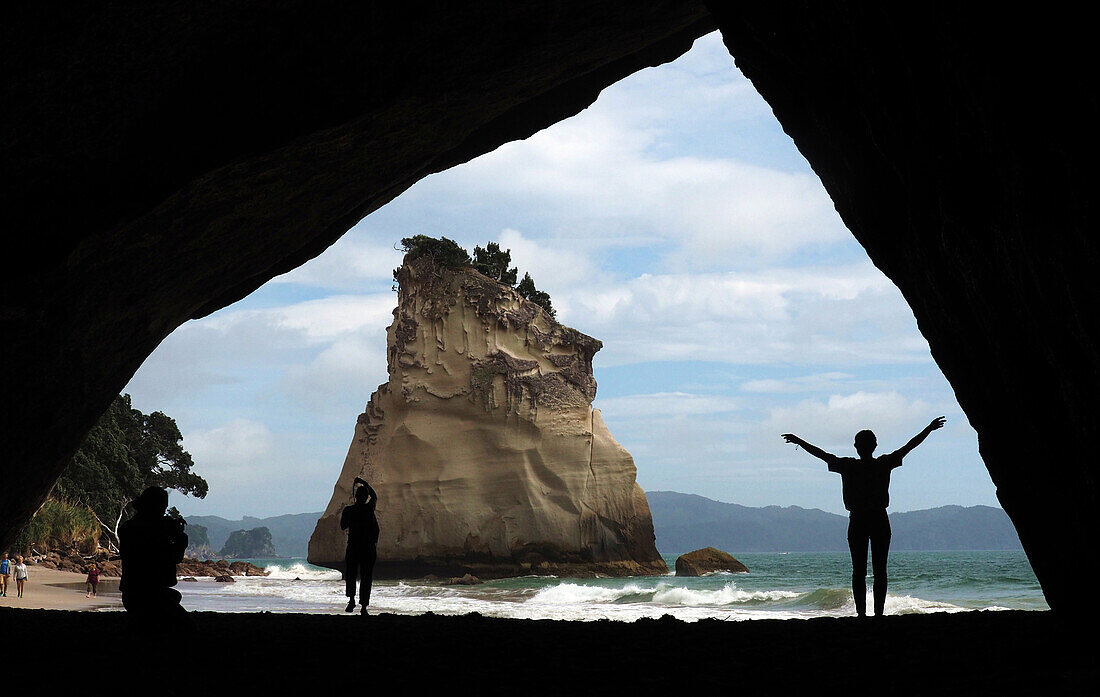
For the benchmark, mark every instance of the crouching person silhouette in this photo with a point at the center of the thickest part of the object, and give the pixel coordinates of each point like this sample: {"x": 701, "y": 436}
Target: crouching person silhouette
{"x": 362, "y": 551}
{"x": 866, "y": 485}
{"x": 151, "y": 544}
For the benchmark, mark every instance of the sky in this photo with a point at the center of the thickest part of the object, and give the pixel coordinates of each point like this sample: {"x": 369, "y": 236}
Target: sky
{"x": 674, "y": 221}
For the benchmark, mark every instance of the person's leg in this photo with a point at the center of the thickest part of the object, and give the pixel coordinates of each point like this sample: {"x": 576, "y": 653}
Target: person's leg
{"x": 22, "y": 582}
{"x": 857, "y": 546}
{"x": 351, "y": 569}
{"x": 880, "y": 553}
{"x": 366, "y": 575}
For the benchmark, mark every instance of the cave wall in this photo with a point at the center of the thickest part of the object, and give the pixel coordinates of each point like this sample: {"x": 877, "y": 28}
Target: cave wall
{"x": 161, "y": 160}
{"x": 957, "y": 142}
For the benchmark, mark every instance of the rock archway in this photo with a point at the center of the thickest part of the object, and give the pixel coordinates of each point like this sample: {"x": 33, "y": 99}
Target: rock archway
{"x": 163, "y": 161}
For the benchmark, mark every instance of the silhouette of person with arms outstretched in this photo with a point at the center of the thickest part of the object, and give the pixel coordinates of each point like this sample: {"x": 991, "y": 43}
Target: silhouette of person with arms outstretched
{"x": 362, "y": 551}
{"x": 866, "y": 482}
{"x": 151, "y": 544}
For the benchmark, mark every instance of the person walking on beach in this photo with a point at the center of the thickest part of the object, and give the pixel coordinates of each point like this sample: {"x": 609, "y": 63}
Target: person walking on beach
{"x": 20, "y": 575}
{"x": 362, "y": 550}
{"x": 5, "y": 574}
{"x": 151, "y": 544}
{"x": 866, "y": 486}
{"x": 92, "y": 581}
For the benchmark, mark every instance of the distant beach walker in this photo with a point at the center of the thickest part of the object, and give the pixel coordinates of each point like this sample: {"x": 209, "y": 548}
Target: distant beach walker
{"x": 795, "y": 585}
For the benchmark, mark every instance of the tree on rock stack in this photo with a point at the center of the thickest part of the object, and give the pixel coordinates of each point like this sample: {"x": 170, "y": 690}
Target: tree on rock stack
{"x": 528, "y": 291}
{"x": 490, "y": 261}
{"x": 445, "y": 252}
{"x": 493, "y": 263}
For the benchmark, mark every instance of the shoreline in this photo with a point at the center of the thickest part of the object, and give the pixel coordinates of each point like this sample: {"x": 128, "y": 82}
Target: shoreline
{"x": 50, "y": 589}
{"x": 974, "y": 653}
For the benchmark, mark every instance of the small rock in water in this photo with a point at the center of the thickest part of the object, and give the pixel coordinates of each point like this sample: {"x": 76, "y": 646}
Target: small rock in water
{"x": 707, "y": 560}
{"x": 467, "y": 580}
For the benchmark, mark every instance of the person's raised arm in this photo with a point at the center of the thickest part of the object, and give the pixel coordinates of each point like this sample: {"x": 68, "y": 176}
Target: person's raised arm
{"x": 916, "y": 440}
{"x": 811, "y": 449}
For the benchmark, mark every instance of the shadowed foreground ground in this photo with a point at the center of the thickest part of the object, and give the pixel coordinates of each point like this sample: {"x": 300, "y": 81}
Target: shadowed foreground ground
{"x": 1002, "y": 653}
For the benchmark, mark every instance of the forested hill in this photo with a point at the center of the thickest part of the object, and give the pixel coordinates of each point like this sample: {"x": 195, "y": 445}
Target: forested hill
{"x": 289, "y": 533}
{"x": 684, "y": 522}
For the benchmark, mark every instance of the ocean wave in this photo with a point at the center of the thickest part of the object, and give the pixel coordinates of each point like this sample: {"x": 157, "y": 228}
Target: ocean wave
{"x": 908, "y": 605}
{"x": 665, "y": 594}
{"x": 306, "y": 572}
{"x": 826, "y": 599}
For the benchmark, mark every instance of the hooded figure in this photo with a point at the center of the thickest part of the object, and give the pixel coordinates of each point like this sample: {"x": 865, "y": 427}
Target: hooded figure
{"x": 151, "y": 544}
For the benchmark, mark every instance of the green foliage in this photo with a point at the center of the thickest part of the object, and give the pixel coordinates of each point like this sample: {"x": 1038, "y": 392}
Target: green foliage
{"x": 197, "y": 535}
{"x": 446, "y": 252}
{"x": 248, "y": 544}
{"x": 58, "y": 524}
{"x": 493, "y": 263}
{"x": 123, "y": 454}
{"x": 527, "y": 290}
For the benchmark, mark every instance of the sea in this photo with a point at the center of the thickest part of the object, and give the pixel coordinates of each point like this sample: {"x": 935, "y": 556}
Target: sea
{"x": 778, "y": 586}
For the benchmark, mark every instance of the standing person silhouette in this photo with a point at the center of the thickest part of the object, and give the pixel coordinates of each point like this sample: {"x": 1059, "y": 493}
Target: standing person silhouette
{"x": 151, "y": 544}
{"x": 362, "y": 551}
{"x": 866, "y": 483}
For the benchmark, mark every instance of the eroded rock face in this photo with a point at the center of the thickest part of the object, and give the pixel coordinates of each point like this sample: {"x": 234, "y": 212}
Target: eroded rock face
{"x": 484, "y": 448}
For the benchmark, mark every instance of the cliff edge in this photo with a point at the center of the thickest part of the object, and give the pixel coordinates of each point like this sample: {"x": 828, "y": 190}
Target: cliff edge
{"x": 484, "y": 448}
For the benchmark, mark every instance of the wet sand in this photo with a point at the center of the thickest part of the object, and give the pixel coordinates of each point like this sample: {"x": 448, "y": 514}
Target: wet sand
{"x": 974, "y": 653}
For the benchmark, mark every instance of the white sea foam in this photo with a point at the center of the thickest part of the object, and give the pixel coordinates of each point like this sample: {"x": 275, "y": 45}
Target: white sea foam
{"x": 729, "y": 594}
{"x": 302, "y": 571}
{"x": 907, "y": 604}
{"x": 293, "y": 586}
{"x": 573, "y": 593}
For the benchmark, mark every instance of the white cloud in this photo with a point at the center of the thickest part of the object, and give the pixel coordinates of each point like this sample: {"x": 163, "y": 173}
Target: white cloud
{"x": 828, "y": 315}
{"x": 806, "y": 383}
{"x": 602, "y": 183}
{"x": 321, "y": 320}
{"x": 834, "y": 422}
{"x": 663, "y": 405}
{"x": 354, "y": 263}
{"x": 233, "y": 446}
{"x": 345, "y": 373}
{"x": 546, "y": 263}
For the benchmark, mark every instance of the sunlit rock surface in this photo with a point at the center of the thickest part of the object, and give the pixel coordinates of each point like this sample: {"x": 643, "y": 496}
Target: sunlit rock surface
{"x": 484, "y": 448}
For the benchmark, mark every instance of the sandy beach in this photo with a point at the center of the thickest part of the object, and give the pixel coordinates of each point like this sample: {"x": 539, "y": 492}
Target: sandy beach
{"x": 48, "y": 589}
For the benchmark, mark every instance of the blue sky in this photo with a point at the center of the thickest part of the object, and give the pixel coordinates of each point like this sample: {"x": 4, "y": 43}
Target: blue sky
{"x": 673, "y": 220}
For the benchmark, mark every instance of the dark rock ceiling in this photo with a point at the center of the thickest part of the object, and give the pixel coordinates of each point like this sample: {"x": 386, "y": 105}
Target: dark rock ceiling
{"x": 162, "y": 160}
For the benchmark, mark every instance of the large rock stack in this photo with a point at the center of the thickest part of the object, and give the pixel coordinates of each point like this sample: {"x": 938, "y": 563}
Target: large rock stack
{"x": 484, "y": 448}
